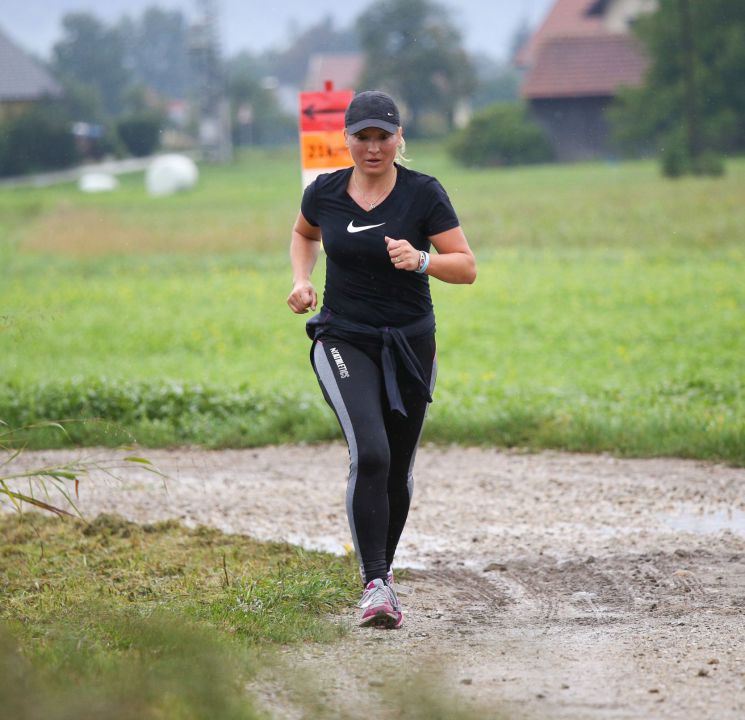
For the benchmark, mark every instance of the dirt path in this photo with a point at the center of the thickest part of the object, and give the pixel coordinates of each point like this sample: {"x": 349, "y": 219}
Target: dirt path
{"x": 545, "y": 585}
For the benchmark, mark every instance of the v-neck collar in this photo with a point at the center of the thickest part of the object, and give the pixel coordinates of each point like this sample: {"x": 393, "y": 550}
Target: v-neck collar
{"x": 382, "y": 202}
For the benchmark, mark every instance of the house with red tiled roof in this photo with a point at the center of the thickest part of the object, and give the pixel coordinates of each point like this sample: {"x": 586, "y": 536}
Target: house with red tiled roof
{"x": 574, "y": 64}
{"x": 564, "y": 18}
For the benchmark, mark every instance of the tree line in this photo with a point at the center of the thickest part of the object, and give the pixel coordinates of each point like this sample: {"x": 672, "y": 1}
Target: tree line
{"x": 109, "y": 70}
{"x": 121, "y": 76}
{"x": 691, "y": 104}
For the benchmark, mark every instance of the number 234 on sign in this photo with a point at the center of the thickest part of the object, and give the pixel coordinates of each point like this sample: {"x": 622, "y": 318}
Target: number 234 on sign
{"x": 324, "y": 150}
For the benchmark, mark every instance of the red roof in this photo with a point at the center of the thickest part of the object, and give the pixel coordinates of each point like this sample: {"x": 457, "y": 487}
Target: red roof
{"x": 566, "y": 18}
{"x": 585, "y": 66}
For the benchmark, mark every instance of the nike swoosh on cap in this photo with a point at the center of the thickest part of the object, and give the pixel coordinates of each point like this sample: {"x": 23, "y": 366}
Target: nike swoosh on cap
{"x": 352, "y": 228}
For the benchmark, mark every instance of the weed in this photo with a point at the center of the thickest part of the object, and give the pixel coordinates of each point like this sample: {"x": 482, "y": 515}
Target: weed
{"x": 63, "y": 478}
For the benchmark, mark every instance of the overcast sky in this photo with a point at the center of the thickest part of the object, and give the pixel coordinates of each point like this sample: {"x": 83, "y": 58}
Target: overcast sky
{"x": 487, "y": 25}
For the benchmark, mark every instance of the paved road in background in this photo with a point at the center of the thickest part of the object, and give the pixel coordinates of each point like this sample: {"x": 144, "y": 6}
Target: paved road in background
{"x": 112, "y": 167}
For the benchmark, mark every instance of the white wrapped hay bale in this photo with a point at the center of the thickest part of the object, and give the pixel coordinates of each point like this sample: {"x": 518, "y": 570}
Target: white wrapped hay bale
{"x": 93, "y": 182}
{"x": 169, "y": 174}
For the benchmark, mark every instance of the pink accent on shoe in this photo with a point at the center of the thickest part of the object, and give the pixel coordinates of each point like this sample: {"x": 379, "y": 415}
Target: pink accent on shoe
{"x": 380, "y": 606}
{"x": 399, "y": 620}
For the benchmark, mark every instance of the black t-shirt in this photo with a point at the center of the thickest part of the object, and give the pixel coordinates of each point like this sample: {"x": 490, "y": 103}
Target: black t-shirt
{"x": 361, "y": 281}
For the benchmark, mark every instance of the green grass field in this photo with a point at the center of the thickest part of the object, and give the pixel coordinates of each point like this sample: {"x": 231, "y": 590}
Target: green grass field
{"x": 609, "y": 311}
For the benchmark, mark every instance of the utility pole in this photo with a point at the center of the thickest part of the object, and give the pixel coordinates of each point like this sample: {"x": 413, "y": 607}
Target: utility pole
{"x": 689, "y": 77}
{"x": 213, "y": 108}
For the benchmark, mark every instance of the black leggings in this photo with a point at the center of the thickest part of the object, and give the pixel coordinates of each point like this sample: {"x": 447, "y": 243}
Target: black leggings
{"x": 382, "y": 443}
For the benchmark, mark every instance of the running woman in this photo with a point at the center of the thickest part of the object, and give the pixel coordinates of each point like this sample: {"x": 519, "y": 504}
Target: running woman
{"x": 373, "y": 345}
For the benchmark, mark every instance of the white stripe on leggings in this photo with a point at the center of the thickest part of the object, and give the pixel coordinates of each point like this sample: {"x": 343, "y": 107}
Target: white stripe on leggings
{"x": 328, "y": 379}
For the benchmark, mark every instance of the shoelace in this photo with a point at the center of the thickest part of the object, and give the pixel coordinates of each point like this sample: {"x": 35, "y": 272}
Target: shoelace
{"x": 376, "y": 595}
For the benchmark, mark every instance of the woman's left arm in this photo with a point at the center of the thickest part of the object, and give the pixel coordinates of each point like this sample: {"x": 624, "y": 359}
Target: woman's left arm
{"x": 454, "y": 262}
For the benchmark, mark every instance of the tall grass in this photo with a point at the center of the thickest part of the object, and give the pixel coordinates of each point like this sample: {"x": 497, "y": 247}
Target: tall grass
{"x": 111, "y": 619}
{"x": 608, "y": 313}
{"x": 115, "y": 619}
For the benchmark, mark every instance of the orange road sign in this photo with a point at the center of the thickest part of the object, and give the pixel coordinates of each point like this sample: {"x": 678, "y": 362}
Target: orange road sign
{"x": 322, "y": 146}
{"x": 324, "y": 150}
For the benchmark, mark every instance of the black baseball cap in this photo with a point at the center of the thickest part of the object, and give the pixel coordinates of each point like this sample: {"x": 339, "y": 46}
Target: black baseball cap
{"x": 372, "y": 108}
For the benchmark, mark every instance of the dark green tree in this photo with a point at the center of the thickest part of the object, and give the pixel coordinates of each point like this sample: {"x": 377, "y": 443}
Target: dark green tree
{"x": 92, "y": 53}
{"x": 140, "y": 132}
{"x": 693, "y": 97}
{"x": 414, "y": 51}
{"x": 37, "y": 140}
{"x": 157, "y": 52}
{"x": 249, "y": 92}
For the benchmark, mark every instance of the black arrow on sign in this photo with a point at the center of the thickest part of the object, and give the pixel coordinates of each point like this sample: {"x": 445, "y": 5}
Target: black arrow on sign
{"x": 311, "y": 111}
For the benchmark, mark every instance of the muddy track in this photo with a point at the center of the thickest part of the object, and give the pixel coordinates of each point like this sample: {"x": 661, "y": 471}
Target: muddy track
{"x": 542, "y": 585}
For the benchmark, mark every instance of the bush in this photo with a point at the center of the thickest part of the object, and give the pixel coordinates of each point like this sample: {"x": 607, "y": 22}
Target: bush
{"x": 39, "y": 139}
{"x": 709, "y": 163}
{"x": 140, "y": 133}
{"x": 676, "y": 160}
{"x": 502, "y": 134}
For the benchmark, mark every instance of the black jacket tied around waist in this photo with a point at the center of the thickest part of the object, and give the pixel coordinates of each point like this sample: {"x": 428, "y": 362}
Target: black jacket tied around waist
{"x": 395, "y": 348}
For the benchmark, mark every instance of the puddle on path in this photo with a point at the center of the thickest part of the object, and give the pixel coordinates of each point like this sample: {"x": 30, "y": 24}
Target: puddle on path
{"x": 324, "y": 543}
{"x": 705, "y": 523}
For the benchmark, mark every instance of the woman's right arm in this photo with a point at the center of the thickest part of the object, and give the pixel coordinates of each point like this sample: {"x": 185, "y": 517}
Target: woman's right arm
{"x": 304, "y": 249}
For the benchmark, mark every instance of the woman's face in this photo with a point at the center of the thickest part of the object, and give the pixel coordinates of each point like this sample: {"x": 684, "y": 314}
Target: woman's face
{"x": 373, "y": 150}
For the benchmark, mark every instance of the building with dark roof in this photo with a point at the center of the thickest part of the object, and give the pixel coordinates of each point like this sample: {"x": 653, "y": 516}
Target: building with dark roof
{"x": 23, "y": 81}
{"x": 574, "y": 65}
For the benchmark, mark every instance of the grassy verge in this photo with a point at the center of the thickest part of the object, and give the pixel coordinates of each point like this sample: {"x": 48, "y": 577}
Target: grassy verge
{"x": 608, "y": 313}
{"x": 115, "y": 619}
{"x": 140, "y": 622}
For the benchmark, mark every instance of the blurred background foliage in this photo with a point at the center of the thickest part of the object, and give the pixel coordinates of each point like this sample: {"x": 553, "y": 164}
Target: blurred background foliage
{"x": 130, "y": 73}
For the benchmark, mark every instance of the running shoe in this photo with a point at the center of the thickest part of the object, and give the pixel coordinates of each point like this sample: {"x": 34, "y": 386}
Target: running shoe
{"x": 388, "y": 577}
{"x": 380, "y": 606}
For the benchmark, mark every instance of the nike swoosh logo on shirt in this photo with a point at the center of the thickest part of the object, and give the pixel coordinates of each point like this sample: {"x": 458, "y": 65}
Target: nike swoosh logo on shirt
{"x": 352, "y": 228}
